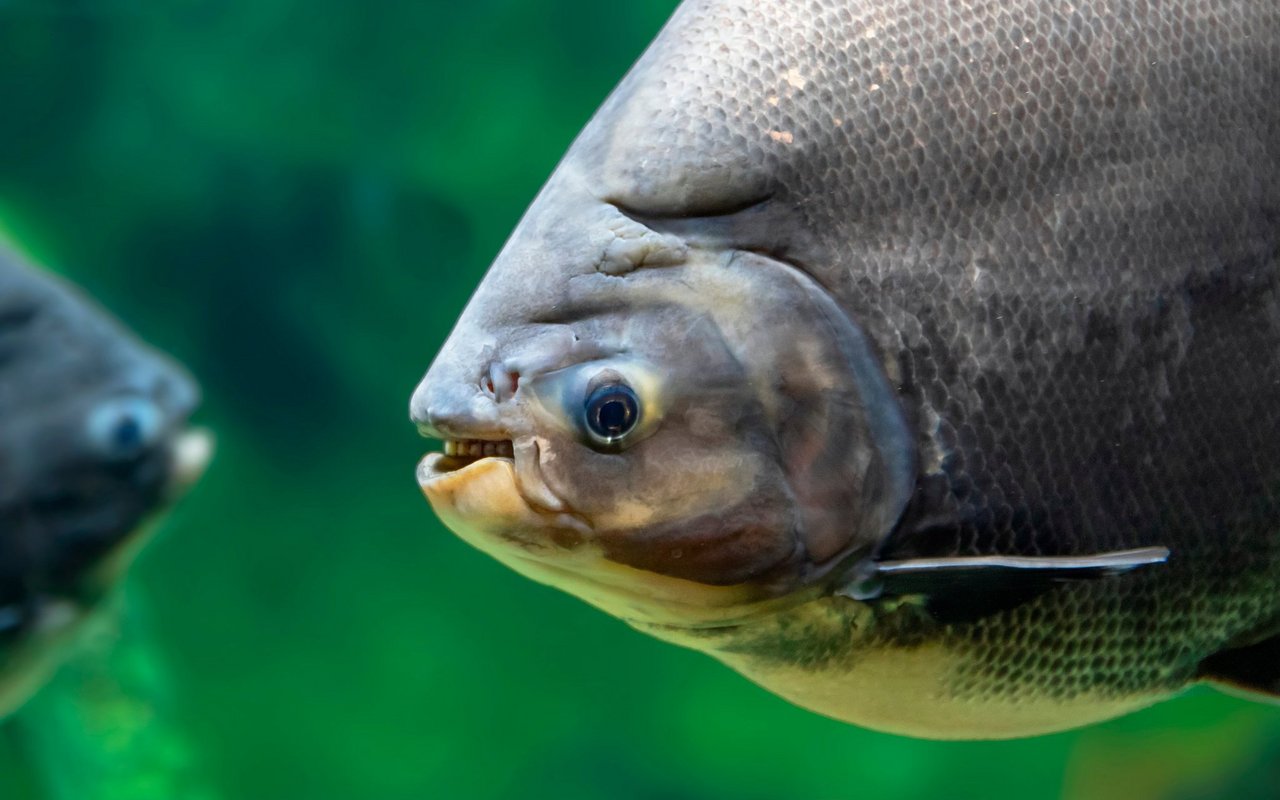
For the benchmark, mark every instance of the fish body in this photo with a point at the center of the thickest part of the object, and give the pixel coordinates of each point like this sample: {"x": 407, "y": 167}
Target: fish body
{"x": 93, "y": 442}
{"x": 847, "y": 330}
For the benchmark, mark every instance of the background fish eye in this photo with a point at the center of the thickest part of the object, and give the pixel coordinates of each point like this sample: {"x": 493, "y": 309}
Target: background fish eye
{"x": 121, "y": 428}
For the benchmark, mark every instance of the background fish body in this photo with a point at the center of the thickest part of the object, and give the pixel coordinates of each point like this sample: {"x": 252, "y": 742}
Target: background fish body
{"x": 93, "y": 441}
{"x": 915, "y": 281}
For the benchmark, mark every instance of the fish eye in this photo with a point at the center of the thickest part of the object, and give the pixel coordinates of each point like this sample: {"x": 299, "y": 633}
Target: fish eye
{"x": 612, "y": 411}
{"x": 122, "y": 428}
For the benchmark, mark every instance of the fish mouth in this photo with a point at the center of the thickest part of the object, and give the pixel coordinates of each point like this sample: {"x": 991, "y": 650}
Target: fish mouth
{"x": 459, "y": 454}
{"x": 477, "y": 498}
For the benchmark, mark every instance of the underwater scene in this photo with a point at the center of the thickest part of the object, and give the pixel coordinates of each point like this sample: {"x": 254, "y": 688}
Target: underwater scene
{"x": 296, "y": 201}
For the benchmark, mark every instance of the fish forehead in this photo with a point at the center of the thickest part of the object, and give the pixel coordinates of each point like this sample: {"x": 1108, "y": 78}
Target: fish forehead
{"x": 59, "y": 348}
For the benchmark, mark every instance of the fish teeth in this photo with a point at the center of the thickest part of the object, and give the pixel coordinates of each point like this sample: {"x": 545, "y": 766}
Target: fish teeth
{"x": 478, "y": 448}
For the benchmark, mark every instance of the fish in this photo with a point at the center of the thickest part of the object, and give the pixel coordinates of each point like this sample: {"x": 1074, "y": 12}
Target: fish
{"x": 918, "y": 361}
{"x": 94, "y": 444}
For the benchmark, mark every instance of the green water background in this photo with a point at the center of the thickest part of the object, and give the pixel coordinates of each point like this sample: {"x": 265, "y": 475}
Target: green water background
{"x": 297, "y": 198}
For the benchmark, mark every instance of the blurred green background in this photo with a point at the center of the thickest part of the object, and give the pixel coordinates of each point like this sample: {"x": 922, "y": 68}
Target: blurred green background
{"x": 296, "y": 199}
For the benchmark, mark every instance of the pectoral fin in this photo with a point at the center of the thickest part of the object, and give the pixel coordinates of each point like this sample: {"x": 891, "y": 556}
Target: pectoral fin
{"x": 1253, "y": 669}
{"x": 963, "y": 588}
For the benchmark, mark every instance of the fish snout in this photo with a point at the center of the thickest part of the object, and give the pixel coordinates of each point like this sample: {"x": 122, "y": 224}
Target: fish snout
{"x": 452, "y": 404}
{"x": 161, "y": 381}
{"x": 176, "y": 391}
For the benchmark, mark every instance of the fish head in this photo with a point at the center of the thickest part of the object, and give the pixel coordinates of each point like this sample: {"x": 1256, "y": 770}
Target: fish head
{"x": 676, "y": 433}
{"x": 94, "y": 439}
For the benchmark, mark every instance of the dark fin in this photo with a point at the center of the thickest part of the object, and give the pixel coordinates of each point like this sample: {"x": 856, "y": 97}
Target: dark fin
{"x": 1253, "y": 669}
{"x": 963, "y": 589}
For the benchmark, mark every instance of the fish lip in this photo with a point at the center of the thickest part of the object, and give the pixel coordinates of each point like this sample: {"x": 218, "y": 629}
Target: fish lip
{"x": 432, "y": 474}
{"x": 190, "y": 451}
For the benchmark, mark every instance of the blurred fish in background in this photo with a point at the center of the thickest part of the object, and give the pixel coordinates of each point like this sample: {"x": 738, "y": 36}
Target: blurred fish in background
{"x": 94, "y": 442}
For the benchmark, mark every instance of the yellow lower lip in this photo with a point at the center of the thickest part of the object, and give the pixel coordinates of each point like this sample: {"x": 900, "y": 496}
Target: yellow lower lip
{"x": 480, "y": 496}
{"x": 433, "y": 478}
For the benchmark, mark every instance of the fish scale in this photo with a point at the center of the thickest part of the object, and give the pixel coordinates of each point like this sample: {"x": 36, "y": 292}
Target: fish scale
{"x": 1058, "y": 227}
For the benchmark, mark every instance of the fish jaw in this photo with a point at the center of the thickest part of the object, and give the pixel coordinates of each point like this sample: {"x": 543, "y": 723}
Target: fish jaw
{"x": 483, "y": 505}
{"x": 478, "y": 498}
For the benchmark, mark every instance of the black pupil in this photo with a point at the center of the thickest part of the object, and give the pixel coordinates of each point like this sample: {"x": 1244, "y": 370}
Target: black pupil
{"x": 613, "y": 412}
{"x": 128, "y": 433}
{"x": 615, "y": 415}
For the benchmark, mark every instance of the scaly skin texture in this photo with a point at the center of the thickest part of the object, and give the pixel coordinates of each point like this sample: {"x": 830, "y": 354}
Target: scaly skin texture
{"x": 1061, "y": 225}
{"x": 1058, "y": 226}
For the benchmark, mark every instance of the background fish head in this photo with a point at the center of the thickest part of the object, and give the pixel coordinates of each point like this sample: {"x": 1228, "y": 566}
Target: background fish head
{"x": 93, "y": 440}
{"x": 673, "y": 432}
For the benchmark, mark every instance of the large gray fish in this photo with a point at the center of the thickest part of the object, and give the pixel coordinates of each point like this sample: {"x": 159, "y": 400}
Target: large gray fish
{"x": 93, "y": 441}
{"x": 919, "y": 360}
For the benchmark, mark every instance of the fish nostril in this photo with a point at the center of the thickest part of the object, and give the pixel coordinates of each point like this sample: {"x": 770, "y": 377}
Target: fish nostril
{"x": 500, "y": 382}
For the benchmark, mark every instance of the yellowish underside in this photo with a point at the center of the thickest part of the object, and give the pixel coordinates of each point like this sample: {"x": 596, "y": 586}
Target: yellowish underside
{"x": 904, "y": 691}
